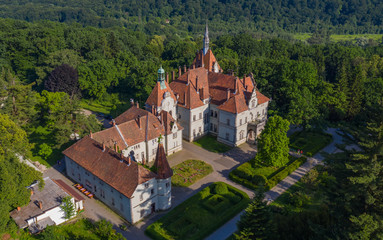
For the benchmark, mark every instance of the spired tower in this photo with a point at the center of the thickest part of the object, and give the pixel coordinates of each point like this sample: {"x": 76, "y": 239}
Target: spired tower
{"x": 206, "y": 41}
{"x": 164, "y": 177}
{"x": 161, "y": 77}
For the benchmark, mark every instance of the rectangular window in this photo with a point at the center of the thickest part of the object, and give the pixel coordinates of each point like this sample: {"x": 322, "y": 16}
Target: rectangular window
{"x": 102, "y": 193}
{"x": 263, "y": 111}
{"x": 215, "y": 113}
{"x": 179, "y": 116}
{"x": 211, "y": 112}
{"x": 194, "y": 118}
{"x": 245, "y": 119}
{"x": 199, "y": 129}
{"x": 111, "y": 190}
{"x": 167, "y": 185}
{"x": 174, "y": 135}
{"x": 194, "y": 132}
{"x": 227, "y": 136}
{"x": 200, "y": 115}
{"x": 112, "y": 201}
{"x": 240, "y": 121}
{"x": 79, "y": 177}
{"x": 228, "y": 122}
{"x": 121, "y": 207}
{"x": 152, "y": 191}
{"x": 95, "y": 188}
{"x": 211, "y": 127}
{"x": 146, "y": 185}
{"x": 142, "y": 156}
{"x": 142, "y": 212}
{"x": 141, "y": 197}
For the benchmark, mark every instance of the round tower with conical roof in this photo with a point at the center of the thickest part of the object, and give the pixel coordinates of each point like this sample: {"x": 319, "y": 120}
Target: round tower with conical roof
{"x": 164, "y": 179}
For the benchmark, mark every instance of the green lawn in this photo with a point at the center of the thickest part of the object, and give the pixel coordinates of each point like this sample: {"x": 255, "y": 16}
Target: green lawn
{"x": 200, "y": 215}
{"x": 95, "y": 106}
{"x": 311, "y": 142}
{"x": 190, "y": 171}
{"x": 211, "y": 144}
{"x": 42, "y": 135}
{"x": 254, "y": 175}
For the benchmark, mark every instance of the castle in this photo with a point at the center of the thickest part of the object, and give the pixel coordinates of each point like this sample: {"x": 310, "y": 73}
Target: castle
{"x": 201, "y": 101}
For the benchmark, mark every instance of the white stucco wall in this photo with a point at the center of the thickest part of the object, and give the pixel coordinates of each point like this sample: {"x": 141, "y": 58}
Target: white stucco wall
{"x": 143, "y": 198}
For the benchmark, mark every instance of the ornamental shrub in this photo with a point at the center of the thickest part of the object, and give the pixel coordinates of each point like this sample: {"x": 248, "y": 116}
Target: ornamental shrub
{"x": 220, "y": 188}
{"x": 260, "y": 180}
{"x": 205, "y": 192}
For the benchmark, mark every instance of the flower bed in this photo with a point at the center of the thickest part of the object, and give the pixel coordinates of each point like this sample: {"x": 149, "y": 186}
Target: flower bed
{"x": 190, "y": 171}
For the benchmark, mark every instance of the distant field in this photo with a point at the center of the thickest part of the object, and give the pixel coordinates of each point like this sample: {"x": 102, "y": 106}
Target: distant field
{"x": 338, "y": 38}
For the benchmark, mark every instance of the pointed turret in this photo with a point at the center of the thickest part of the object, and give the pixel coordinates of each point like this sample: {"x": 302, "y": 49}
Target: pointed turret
{"x": 161, "y": 164}
{"x": 206, "y": 41}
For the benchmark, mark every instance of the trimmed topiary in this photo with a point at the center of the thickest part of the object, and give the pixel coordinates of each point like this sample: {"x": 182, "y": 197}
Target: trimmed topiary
{"x": 260, "y": 180}
{"x": 220, "y": 188}
{"x": 205, "y": 193}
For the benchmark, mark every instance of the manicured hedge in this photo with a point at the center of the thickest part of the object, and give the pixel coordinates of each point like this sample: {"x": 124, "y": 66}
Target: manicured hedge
{"x": 200, "y": 215}
{"x": 245, "y": 176}
{"x": 285, "y": 172}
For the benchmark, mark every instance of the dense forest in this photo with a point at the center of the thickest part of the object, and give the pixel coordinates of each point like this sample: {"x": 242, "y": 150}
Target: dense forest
{"x": 155, "y": 17}
{"x": 49, "y": 70}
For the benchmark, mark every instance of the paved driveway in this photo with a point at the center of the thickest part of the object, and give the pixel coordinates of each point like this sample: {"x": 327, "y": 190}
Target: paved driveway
{"x": 222, "y": 164}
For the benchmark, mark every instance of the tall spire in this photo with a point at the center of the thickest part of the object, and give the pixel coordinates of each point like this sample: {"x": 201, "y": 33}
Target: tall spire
{"x": 206, "y": 41}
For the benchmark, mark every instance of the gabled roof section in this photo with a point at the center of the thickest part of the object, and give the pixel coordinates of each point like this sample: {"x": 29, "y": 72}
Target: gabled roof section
{"x": 207, "y": 61}
{"x": 157, "y": 95}
{"x": 109, "y": 166}
{"x": 161, "y": 164}
{"x": 132, "y": 113}
{"x": 236, "y": 104}
{"x": 185, "y": 88}
{"x": 139, "y": 129}
{"x": 168, "y": 122}
{"x": 262, "y": 98}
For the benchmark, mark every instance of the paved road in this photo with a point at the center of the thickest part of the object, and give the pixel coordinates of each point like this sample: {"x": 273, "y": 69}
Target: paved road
{"x": 222, "y": 164}
{"x": 230, "y": 227}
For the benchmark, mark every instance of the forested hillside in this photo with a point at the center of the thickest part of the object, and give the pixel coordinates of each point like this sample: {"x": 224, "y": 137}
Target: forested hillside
{"x": 155, "y": 17}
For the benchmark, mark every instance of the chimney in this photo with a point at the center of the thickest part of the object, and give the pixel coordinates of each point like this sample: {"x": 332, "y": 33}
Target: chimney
{"x": 232, "y": 73}
{"x": 40, "y": 204}
{"x": 187, "y": 80}
{"x": 115, "y": 147}
{"x": 167, "y": 77}
{"x": 184, "y": 68}
{"x": 201, "y": 94}
{"x": 121, "y": 158}
{"x": 113, "y": 122}
{"x": 173, "y": 76}
{"x": 18, "y": 209}
{"x": 129, "y": 161}
{"x": 179, "y": 71}
{"x": 91, "y": 134}
{"x": 228, "y": 94}
{"x": 235, "y": 85}
{"x": 139, "y": 121}
{"x": 185, "y": 98}
{"x": 103, "y": 147}
{"x": 137, "y": 104}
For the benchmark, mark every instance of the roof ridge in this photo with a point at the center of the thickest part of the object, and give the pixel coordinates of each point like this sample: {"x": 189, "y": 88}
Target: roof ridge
{"x": 122, "y": 136}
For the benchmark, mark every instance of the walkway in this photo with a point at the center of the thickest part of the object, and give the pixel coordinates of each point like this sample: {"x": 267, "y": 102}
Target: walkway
{"x": 231, "y": 227}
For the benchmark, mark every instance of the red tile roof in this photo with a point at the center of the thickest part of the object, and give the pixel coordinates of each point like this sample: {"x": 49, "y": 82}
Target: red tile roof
{"x": 131, "y": 132}
{"x": 68, "y": 189}
{"x": 109, "y": 166}
{"x": 132, "y": 113}
{"x": 236, "y": 104}
{"x": 187, "y": 94}
{"x": 157, "y": 95}
{"x": 161, "y": 164}
{"x": 262, "y": 98}
{"x": 208, "y": 60}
